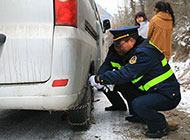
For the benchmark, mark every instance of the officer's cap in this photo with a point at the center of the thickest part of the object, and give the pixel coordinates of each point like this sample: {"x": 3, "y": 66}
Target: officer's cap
{"x": 124, "y": 32}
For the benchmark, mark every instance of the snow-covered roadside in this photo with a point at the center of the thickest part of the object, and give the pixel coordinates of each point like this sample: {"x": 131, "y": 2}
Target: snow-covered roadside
{"x": 182, "y": 72}
{"x": 185, "y": 102}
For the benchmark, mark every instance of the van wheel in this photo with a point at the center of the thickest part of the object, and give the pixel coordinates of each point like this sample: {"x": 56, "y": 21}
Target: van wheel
{"x": 80, "y": 117}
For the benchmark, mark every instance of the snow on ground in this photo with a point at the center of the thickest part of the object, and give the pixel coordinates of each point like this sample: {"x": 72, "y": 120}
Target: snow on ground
{"x": 185, "y": 102}
{"x": 182, "y": 72}
{"x": 110, "y": 125}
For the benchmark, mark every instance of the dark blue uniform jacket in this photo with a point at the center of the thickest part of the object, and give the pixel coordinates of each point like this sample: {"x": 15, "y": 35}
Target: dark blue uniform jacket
{"x": 145, "y": 61}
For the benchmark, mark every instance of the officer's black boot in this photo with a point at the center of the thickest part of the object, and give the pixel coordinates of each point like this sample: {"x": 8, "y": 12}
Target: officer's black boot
{"x": 115, "y": 108}
{"x": 134, "y": 119}
{"x": 117, "y": 102}
{"x": 158, "y": 133}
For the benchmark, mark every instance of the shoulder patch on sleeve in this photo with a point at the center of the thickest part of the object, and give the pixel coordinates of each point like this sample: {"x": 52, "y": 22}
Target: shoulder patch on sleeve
{"x": 133, "y": 59}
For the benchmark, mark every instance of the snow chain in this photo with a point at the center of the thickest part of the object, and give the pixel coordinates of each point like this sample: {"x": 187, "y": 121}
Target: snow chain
{"x": 79, "y": 108}
{"x": 79, "y": 124}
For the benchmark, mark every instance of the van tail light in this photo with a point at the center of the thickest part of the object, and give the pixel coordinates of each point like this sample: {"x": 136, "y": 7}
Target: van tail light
{"x": 66, "y": 12}
{"x": 59, "y": 83}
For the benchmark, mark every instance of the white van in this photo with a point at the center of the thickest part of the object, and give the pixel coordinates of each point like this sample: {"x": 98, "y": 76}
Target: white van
{"x": 48, "y": 49}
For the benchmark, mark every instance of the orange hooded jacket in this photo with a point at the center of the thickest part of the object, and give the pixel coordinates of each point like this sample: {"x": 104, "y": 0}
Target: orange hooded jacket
{"x": 160, "y": 32}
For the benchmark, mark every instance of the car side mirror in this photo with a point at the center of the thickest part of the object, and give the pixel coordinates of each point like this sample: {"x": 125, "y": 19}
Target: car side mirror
{"x": 106, "y": 24}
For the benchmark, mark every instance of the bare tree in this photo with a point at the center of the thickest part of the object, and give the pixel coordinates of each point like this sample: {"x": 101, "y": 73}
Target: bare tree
{"x": 142, "y": 5}
{"x": 133, "y": 7}
{"x": 187, "y": 8}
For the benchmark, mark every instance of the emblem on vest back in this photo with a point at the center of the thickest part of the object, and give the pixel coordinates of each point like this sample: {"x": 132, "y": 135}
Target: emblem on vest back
{"x": 133, "y": 60}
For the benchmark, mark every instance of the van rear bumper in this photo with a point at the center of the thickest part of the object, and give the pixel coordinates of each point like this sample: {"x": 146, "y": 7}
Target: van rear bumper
{"x": 57, "y": 103}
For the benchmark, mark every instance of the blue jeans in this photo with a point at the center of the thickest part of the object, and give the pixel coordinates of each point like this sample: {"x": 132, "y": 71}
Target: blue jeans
{"x": 147, "y": 107}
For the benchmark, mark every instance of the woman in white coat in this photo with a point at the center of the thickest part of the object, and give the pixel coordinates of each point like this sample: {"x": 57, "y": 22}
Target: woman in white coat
{"x": 142, "y": 21}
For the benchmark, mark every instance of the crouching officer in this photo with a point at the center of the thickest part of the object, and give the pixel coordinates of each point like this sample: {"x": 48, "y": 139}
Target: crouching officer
{"x": 151, "y": 75}
{"x": 115, "y": 60}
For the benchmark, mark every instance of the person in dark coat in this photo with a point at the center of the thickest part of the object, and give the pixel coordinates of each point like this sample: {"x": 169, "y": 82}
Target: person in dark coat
{"x": 113, "y": 61}
{"x": 148, "y": 71}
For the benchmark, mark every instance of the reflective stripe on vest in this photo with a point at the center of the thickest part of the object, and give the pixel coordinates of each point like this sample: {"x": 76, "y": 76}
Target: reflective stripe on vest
{"x": 155, "y": 46}
{"x": 116, "y": 65}
{"x": 164, "y": 63}
{"x": 136, "y": 80}
{"x": 156, "y": 80}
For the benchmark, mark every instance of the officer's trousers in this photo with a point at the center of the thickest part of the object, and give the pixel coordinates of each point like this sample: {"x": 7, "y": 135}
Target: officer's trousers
{"x": 128, "y": 91}
{"x": 114, "y": 98}
{"x": 147, "y": 107}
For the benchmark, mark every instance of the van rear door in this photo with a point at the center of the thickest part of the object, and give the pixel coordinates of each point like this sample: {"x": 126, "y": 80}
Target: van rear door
{"x": 26, "y": 55}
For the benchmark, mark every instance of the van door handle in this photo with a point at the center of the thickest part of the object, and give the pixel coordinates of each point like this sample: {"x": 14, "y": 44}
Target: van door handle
{"x": 2, "y": 38}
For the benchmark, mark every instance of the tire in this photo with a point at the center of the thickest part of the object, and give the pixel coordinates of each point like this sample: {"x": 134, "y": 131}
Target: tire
{"x": 80, "y": 117}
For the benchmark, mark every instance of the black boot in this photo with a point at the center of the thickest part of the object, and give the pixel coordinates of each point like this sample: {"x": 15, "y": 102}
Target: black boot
{"x": 115, "y": 108}
{"x": 134, "y": 119}
{"x": 158, "y": 133}
{"x": 117, "y": 102}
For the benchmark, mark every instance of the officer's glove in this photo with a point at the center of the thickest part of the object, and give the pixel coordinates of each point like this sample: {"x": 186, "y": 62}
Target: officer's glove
{"x": 92, "y": 81}
{"x": 99, "y": 86}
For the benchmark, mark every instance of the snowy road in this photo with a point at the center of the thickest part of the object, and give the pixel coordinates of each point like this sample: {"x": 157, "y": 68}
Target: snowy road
{"x": 39, "y": 125}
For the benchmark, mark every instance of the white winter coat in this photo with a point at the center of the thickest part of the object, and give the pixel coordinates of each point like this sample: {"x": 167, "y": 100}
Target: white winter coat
{"x": 143, "y": 29}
